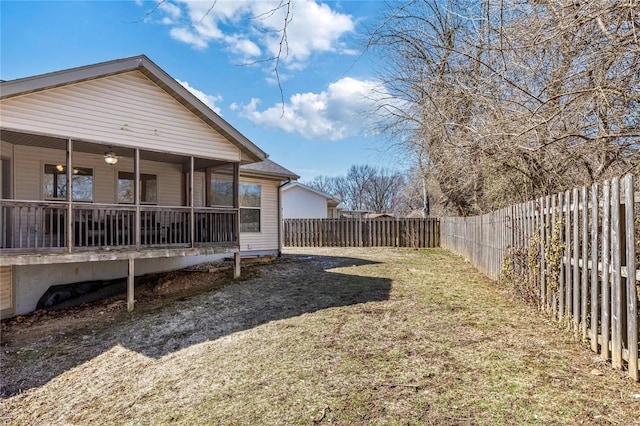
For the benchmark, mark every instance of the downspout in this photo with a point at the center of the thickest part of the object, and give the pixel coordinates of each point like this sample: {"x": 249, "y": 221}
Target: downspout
{"x": 280, "y": 216}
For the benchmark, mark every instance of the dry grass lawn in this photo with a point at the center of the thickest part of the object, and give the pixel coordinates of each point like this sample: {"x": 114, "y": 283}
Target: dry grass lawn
{"x": 335, "y": 336}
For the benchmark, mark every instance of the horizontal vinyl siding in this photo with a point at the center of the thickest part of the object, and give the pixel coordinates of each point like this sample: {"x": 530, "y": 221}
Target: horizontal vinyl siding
{"x": 6, "y": 288}
{"x": 126, "y": 109}
{"x": 198, "y": 189}
{"x": 29, "y": 168}
{"x": 267, "y": 238}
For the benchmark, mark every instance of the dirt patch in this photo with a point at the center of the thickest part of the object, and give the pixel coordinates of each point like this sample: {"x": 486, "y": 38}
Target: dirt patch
{"x": 92, "y": 326}
{"x": 23, "y": 330}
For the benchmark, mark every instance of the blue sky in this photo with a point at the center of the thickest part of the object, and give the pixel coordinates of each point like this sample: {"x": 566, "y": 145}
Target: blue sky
{"x": 219, "y": 52}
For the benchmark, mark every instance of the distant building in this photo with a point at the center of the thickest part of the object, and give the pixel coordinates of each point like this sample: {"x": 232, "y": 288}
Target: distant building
{"x": 303, "y": 202}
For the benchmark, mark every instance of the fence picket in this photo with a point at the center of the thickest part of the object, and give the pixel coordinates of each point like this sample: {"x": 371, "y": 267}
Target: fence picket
{"x": 616, "y": 279}
{"x": 595, "y": 285}
{"x": 584, "y": 267}
{"x": 568, "y": 256}
{"x": 544, "y": 208}
{"x": 562, "y": 228}
{"x": 606, "y": 256}
{"x": 631, "y": 291}
{"x": 576, "y": 256}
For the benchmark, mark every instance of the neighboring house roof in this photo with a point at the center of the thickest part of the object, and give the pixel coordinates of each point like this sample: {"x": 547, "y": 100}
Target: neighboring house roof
{"x": 354, "y": 212}
{"x": 331, "y": 201}
{"x": 268, "y": 169}
{"x": 377, "y": 215}
{"x": 153, "y": 72}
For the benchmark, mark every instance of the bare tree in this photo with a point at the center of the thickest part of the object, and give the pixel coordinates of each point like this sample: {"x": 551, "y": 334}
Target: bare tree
{"x": 365, "y": 187}
{"x": 323, "y": 183}
{"x": 503, "y": 101}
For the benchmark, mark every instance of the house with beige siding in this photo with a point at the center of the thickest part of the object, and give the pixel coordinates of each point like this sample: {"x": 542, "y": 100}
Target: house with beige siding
{"x": 115, "y": 170}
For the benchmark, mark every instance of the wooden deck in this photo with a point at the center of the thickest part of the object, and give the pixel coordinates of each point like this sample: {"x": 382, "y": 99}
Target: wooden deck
{"x": 32, "y": 231}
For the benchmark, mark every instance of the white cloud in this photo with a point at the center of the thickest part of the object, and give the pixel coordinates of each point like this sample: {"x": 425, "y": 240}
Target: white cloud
{"x": 172, "y": 11}
{"x": 244, "y": 46}
{"x": 344, "y": 109}
{"x": 252, "y": 29}
{"x": 208, "y": 100}
{"x": 185, "y": 35}
{"x": 313, "y": 28}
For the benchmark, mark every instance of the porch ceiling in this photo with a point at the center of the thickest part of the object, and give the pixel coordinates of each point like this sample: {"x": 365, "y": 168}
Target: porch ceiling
{"x": 52, "y": 142}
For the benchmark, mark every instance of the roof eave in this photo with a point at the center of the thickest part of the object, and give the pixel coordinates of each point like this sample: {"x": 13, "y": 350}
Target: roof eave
{"x": 312, "y": 190}
{"x": 51, "y": 80}
{"x": 268, "y": 175}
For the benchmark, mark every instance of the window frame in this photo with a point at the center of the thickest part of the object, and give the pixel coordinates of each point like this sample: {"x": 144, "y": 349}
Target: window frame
{"x": 247, "y": 208}
{"x": 149, "y": 203}
{"x": 242, "y": 200}
{"x": 65, "y": 186}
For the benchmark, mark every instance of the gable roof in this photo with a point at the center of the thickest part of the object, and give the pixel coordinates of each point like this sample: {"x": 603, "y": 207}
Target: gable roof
{"x": 267, "y": 168}
{"x": 329, "y": 197}
{"x": 23, "y": 86}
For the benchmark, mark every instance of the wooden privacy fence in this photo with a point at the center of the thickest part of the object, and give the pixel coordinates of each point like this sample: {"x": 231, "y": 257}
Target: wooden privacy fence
{"x": 577, "y": 253}
{"x": 346, "y": 232}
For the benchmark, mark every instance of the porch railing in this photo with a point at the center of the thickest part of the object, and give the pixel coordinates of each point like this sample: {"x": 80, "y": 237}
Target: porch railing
{"x": 32, "y": 226}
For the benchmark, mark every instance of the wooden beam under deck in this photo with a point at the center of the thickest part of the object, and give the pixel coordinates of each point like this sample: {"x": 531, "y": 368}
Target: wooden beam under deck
{"x": 106, "y": 255}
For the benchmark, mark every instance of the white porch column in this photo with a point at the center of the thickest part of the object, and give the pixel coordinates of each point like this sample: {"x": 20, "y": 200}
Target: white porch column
{"x": 236, "y": 206}
{"x": 70, "y": 221}
{"x": 136, "y": 197}
{"x": 192, "y": 213}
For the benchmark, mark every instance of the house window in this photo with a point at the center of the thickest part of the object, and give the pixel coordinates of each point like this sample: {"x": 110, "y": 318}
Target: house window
{"x": 250, "y": 202}
{"x": 148, "y": 188}
{"x": 55, "y": 183}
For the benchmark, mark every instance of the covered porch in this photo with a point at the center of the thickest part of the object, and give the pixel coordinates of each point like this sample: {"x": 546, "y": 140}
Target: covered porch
{"x": 69, "y": 200}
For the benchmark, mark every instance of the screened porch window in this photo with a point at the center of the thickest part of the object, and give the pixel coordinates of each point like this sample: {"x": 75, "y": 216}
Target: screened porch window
{"x": 55, "y": 183}
{"x": 250, "y": 201}
{"x": 148, "y": 188}
{"x": 221, "y": 192}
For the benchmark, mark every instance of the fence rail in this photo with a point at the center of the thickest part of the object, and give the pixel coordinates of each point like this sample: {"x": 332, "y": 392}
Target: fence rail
{"x": 577, "y": 253}
{"x": 346, "y": 232}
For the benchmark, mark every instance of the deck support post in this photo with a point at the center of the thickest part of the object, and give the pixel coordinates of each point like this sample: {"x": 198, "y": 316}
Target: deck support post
{"x": 236, "y": 264}
{"x": 131, "y": 285}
